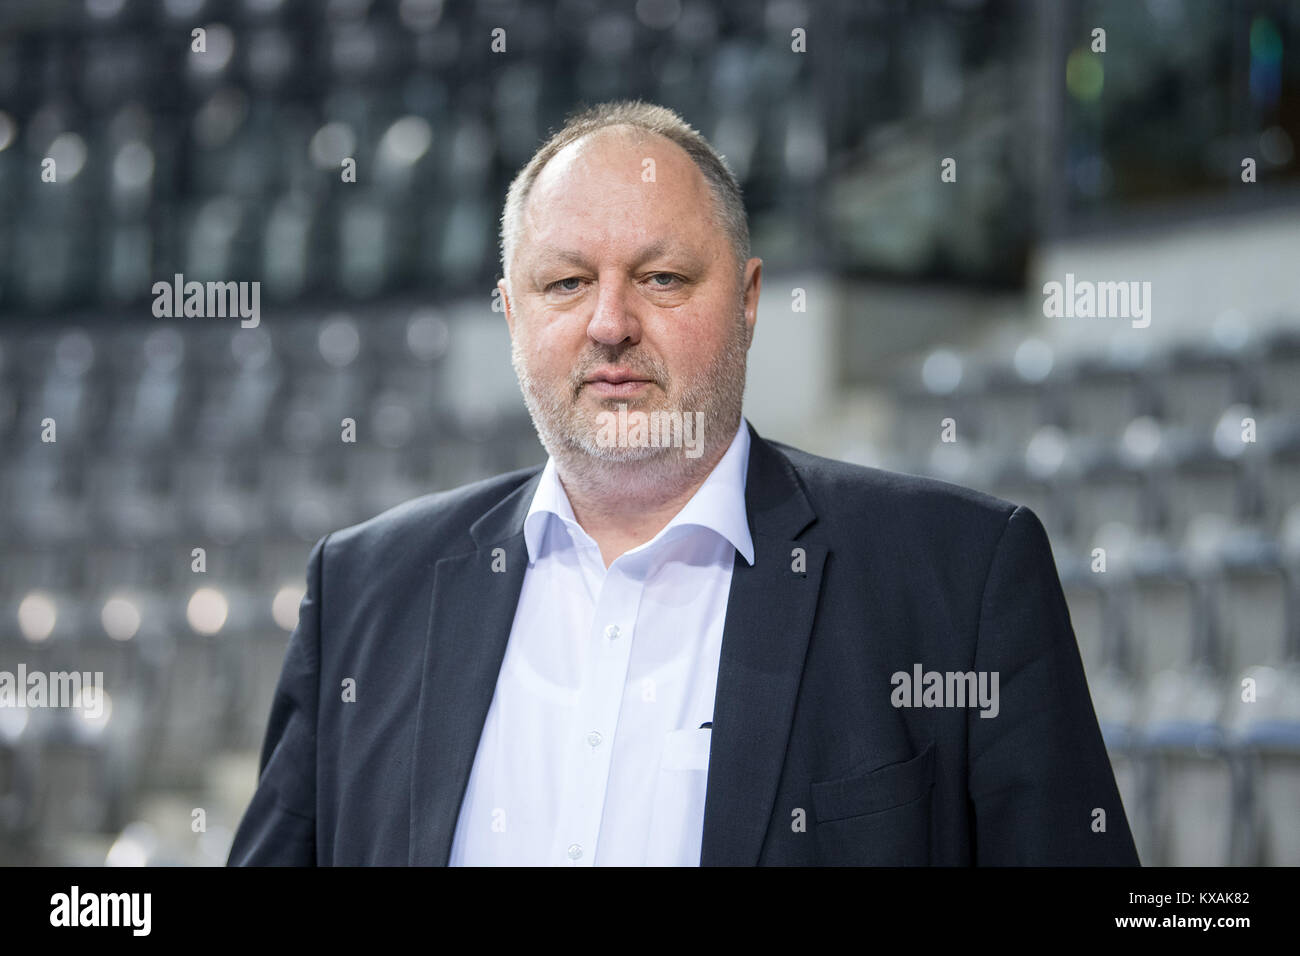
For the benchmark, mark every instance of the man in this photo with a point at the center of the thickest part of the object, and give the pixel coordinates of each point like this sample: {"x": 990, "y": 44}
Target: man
{"x": 698, "y": 647}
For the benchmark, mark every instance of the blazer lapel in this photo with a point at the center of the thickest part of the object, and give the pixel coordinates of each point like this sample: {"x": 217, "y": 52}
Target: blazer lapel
{"x": 770, "y": 613}
{"x": 473, "y": 609}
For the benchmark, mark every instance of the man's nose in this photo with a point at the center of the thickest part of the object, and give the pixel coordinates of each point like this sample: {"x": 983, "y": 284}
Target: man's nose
{"x": 614, "y": 321}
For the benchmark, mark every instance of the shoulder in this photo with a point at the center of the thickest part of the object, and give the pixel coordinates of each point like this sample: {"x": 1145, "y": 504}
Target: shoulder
{"x": 865, "y": 499}
{"x": 428, "y": 527}
{"x": 916, "y": 535}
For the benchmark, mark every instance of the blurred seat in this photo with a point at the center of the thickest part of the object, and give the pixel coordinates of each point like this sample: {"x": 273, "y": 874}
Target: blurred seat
{"x": 1117, "y": 702}
{"x": 1111, "y": 491}
{"x": 1202, "y": 484}
{"x": 239, "y": 380}
{"x": 1193, "y": 385}
{"x": 1252, "y": 603}
{"x": 1265, "y": 726}
{"x": 1196, "y": 797}
{"x": 1164, "y": 623}
{"x": 1102, "y": 396}
{"x": 150, "y": 383}
{"x": 1013, "y": 405}
{"x": 1279, "y": 370}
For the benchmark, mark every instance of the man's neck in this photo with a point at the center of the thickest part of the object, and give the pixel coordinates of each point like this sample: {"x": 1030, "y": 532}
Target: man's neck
{"x": 622, "y": 506}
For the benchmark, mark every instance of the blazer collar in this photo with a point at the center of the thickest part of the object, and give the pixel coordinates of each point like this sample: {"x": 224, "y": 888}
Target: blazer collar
{"x": 718, "y": 504}
{"x": 775, "y": 502}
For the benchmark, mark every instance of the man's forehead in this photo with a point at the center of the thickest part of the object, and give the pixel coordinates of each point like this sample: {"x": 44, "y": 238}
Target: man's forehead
{"x": 617, "y": 151}
{"x": 545, "y": 251}
{"x": 575, "y": 219}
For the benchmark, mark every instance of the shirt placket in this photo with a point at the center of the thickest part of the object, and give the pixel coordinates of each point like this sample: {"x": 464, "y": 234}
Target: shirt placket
{"x": 592, "y": 733}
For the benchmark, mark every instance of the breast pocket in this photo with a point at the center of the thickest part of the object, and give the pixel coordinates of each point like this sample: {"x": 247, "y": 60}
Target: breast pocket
{"x": 686, "y": 749}
{"x": 879, "y": 818}
{"x": 677, "y": 823}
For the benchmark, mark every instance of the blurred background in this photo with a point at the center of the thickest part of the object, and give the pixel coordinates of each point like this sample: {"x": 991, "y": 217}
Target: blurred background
{"x": 902, "y": 325}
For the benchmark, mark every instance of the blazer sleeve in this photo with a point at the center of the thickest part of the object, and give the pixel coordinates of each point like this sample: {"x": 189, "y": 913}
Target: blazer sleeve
{"x": 279, "y": 826}
{"x": 1038, "y": 771}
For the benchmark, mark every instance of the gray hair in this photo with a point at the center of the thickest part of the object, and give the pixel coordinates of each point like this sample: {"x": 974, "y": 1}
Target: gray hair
{"x": 729, "y": 205}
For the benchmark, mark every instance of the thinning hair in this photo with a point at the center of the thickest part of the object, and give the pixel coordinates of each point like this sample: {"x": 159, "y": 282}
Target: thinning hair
{"x": 729, "y": 205}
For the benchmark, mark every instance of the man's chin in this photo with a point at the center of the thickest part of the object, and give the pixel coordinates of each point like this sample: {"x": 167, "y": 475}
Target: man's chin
{"x": 590, "y": 442}
{"x": 617, "y": 454}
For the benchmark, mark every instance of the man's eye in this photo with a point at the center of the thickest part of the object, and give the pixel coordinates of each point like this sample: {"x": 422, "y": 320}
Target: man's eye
{"x": 562, "y": 285}
{"x": 672, "y": 280}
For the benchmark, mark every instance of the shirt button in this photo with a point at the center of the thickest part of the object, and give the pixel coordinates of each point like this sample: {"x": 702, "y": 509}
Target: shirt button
{"x": 575, "y": 851}
{"x": 612, "y": 632}
{"x": 594, "y": 738}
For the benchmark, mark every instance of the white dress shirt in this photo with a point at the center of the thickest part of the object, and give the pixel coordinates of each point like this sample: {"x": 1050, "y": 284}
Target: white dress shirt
{"x": 591, "y": 753}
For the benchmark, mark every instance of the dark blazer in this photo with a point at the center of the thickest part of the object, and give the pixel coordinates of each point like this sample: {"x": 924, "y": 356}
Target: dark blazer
{"x": 859, "y": 573}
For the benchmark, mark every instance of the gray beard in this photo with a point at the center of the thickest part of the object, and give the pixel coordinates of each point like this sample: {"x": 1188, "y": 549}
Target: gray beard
{"x": 569, "y": 433}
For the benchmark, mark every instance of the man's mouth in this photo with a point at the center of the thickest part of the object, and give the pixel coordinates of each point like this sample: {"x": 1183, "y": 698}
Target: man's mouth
{"x": 616, "y": 383}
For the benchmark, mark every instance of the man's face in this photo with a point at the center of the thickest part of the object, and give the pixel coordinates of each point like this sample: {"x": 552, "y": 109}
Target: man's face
{"x": 624, "y": 291}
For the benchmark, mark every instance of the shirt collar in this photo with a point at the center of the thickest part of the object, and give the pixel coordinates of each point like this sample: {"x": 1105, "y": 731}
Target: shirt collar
{"x": 718, "y": 504}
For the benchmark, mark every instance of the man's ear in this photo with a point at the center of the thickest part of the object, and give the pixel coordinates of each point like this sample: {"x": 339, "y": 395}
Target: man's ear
{"x": 505, "y": 301}
{"x": 753, "y": 285}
